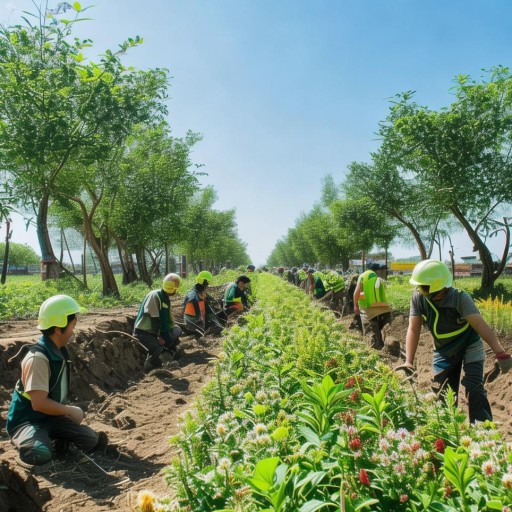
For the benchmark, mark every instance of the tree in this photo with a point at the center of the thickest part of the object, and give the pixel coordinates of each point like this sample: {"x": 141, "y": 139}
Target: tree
{"x": 55, "y": 109}
{"x": 461, "y": 157}
{"x": 20, "y": 254}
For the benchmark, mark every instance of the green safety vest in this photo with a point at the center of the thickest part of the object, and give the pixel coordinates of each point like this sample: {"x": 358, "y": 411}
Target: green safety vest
{"x": 369, "y": 293}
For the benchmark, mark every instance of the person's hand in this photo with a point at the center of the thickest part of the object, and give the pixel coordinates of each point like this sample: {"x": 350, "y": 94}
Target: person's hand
{"x": 408, "y": 368}
{"x": 357, "y": 311}
{"x": 504, "y": 360}
{"x": 75, "y": 413}
{"x": 161, "y": 341}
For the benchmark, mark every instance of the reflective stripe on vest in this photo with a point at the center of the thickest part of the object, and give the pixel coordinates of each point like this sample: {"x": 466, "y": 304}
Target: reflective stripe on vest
{"x": 436, "y": 320}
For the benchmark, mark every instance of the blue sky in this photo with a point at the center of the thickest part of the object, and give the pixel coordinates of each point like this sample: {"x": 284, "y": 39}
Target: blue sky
{"x": 285, "y": 92}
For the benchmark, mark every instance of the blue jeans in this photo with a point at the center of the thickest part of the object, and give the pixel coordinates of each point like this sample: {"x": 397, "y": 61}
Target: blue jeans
{"x": 447, "y": 372}
{"x": 34, "y": 441}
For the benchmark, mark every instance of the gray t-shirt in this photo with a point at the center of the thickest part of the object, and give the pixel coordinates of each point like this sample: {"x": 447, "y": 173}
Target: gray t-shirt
{"x": 446, "y": 320}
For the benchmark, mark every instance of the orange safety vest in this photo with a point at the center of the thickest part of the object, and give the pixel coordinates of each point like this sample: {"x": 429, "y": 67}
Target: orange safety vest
{"x": 191, "y": 310}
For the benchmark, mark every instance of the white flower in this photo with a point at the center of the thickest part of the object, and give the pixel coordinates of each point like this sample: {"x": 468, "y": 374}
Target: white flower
{"x": 223, "y": 465}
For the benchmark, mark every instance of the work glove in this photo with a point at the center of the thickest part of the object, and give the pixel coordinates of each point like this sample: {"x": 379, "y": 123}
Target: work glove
{"x": 504, "y": 360}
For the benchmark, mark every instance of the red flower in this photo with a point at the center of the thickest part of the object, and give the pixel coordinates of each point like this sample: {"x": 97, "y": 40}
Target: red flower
{"x": 354, "y": 396}
{"x": 403, "y": 498}
{"x": 351, "y": 382}
{"x": 354, "y": 444}
{"x": 363, "y": 477}
{"x": 439, "y": 445}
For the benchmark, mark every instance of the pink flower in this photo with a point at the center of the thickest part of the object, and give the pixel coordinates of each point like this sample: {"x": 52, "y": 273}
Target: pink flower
{"x": 363, "y": 477}
{"x": 403, "y": 498}
{"x": 439, "y": 445}
{"x": 354, "y": 444}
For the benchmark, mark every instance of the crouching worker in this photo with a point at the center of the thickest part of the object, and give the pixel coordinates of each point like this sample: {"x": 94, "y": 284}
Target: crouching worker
{"x": 235, "y": 298}
{"x": 458, "y": 329}
{"x": 154, "y": 326}
{"x": 198, "y": 311}
{"x": 38, "y": 415}
{"x": 370, "y": 302}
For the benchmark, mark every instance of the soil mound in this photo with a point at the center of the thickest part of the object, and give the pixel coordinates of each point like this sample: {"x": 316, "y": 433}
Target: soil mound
{"x": 137, "y": 412}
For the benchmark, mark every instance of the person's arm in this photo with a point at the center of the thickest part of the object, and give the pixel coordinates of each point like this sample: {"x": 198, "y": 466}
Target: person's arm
{"x": 41, "y": 403}
{"x": 486, "y": 333}
{"x": 357, "y": 293}
{"x": 412, "y": 339}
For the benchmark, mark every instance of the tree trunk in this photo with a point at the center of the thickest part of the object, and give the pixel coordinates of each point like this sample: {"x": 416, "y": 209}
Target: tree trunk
{"x": 129, "y": 273}
{"x": 488, "y": 274}
{"x": 166, "y": 259}
{"x": 84, "y": 262}
{"x": 50, "y": 267}
{"x": 143, "y": 271}
{"x": 69, "y": 252}
{"x": 5, "y": 266}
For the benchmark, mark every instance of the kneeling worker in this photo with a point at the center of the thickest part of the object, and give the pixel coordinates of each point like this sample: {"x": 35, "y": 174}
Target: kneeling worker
{"x": 39, "y": 415}
{"x": 154, "y": 326}
{"x": 235, "y": 298}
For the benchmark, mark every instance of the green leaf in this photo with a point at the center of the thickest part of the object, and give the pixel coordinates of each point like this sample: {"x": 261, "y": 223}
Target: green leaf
{"x": 263, "y": 476}
{"x": 310, "y": 436}
{"x": 312, "y": 505}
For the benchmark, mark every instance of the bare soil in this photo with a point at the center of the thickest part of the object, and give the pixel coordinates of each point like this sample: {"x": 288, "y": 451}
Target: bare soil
{"x": 139, "y": 412}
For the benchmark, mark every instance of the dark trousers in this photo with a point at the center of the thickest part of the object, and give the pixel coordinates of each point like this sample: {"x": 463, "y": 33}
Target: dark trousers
{"x": 152, "y": 344}
{"x": 374, "y": 327}
{"x": 473, "y": 382}
{"x": 34, "y": 441}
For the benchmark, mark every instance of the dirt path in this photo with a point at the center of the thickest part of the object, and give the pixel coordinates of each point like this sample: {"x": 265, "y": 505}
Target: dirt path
{"x": 139, "y": 413}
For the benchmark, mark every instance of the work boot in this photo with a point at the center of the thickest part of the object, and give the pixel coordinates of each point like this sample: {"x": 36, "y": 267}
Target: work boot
{"x": 61, "y": 447}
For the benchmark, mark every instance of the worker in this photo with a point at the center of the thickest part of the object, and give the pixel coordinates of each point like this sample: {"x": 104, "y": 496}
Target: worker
{"x": 334, "y": 290}
{"x": 154, "y": 325}
{"x": 316, "y": 284}
{"x": 235, "y": 299}
{"x": 370, "y": 302}
{"x": 457, "y": 329}
{"x": 198, "y": 312}
{"x": 39, "y": 416}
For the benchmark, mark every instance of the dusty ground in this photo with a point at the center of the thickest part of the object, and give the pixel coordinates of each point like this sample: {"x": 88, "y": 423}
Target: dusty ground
{"x": 139, "y": 413}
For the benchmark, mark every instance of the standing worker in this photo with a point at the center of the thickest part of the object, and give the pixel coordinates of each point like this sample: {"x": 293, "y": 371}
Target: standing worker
{"x": 38, "y": 414}
{"x": 458, "y": 329}
{"x": 154, "y": 326}
{"x": 370, "y": 302}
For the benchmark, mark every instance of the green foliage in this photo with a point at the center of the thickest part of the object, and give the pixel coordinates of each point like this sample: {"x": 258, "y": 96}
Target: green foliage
{"x": 20, "y": 254}
{"x": 279, "y": 431}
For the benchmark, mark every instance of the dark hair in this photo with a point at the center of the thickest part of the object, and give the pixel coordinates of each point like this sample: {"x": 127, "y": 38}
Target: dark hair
{"x": 244, "y": 279}
{"x": 51, "y": 330}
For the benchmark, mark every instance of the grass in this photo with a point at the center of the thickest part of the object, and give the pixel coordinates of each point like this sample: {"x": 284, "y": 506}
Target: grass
{"x": 496, "y": 308}
{"x": 21, "y": 296}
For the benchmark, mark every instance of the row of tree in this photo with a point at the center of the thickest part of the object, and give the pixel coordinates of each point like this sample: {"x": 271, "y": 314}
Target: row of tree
{"x": 86, "y": 145}
{"x": 435, "y": 171}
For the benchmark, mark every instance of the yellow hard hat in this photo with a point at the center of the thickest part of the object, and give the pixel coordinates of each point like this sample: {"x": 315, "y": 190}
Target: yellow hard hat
{"x": 204, "y": 276}
{"x": 432, "y": 273}
{"x": 171, "y": 283}
{"x": 54, "y": 311}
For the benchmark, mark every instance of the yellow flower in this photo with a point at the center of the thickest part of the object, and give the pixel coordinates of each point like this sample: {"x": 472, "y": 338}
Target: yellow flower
{"x": 146, "y": 501}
